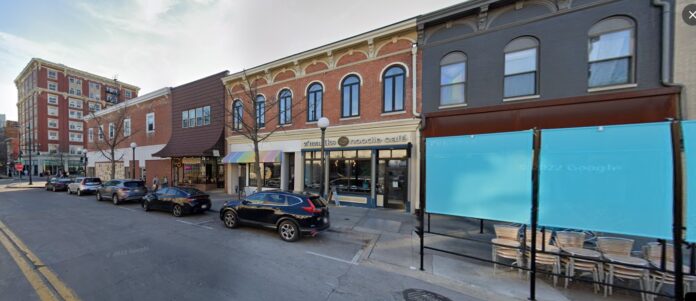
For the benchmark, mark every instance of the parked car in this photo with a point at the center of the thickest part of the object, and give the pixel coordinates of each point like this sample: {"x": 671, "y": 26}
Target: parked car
{"x": 58, "y": 184}
{"x": 84, "y": 185}
{"x": 177, "y": 200}
{"x": 291, "y": 214}
{"x": 122, "y": 190}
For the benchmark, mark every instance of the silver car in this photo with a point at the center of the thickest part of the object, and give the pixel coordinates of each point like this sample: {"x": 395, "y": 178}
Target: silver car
{"x": 84, "y": 185}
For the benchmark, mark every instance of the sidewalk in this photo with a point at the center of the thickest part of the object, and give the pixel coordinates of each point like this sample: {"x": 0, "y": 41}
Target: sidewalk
{"x": 393, "y": 245}
{"x": 25, "y": 184}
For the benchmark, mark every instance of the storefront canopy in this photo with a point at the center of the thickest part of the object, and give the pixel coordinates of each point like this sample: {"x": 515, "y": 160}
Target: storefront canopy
{"x": 248, "y": 157}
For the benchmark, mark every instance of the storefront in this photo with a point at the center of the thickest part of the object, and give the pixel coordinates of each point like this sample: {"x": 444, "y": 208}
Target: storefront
{"x": 204, "y": 173}
{"x": 373, "y": 167}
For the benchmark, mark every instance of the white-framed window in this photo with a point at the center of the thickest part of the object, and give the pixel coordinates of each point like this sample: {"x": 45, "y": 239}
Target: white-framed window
{"x": 75, "y": 114}
{"x": 53, "y": 86}
{"x": 111, "y": 94}
{"x": 150, "y": 122}
{"x": 52, "y": 111}
{"x": 90, "y": 135}
{"x": 94, "y": 91}
{"x": 52, "y": 135}
{"x": 127, "y": 93}
{"x": 192, "y": 117}
{"x": 75, "y": 125}
{"x": 51, "y": 74}
{"x": 74, "y": 86}
{"x": 75, "y": 149}
{"x": 184, "y": 119}
{"x": 101, "y": 133}
{"x": 52, "y": 123}
{"x": 112, "y": 130}
{"x": 199, "y": 116}
{"x": 52, "y": 99}
{"x": 206, "y": 115}
{"x": 521, "y": 63}
{"x": 52, "y": 148}
{"x": 126, "y": 127}
{"x": 452, "y": 80}
{"x": 611, "y": 53}
{"x": 75, "y": 137}
{"x": 75, "y": 103}
{"x": 94, "y": 107}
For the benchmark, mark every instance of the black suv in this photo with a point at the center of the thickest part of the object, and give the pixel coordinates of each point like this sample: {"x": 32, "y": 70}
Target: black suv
{"x": 291, "y": 214}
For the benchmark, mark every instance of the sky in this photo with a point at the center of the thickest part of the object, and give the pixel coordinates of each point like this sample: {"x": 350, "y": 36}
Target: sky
{"x": 165, "y": 43}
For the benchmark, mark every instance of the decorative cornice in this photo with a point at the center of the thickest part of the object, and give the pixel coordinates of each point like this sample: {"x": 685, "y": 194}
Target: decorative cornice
{"x": 37, "y": 62}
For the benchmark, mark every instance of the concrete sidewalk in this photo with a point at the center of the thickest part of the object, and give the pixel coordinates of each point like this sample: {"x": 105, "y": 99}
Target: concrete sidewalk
{"x": 25, "y": 184}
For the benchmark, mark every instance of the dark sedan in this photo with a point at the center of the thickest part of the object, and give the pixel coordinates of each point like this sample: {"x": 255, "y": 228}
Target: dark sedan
{"x": 291, "y": 214}
{"x": 58, "y": 184}
{"x": 177, "y": 200}
{"x": 119, "y": 191}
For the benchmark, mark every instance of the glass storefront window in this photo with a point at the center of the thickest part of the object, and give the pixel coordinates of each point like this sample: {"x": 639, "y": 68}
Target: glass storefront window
{"x": 270, "y": 174}
{"x": 350, "y": 175}
{"x": 199, "y": 171}
{"x": 312, "y": 174}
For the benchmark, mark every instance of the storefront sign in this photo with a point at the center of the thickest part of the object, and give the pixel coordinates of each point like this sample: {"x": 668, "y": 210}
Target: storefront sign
{"x": 191, "y": 160}
{"x": 359, "y": 141}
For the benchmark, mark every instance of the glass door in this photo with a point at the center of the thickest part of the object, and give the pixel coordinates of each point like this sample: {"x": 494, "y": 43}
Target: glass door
{"x": 395, "y": 186}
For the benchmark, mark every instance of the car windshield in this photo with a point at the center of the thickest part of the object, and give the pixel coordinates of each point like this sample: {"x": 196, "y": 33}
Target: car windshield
{"x": 134, "y": 184}
{"x": 192, "y": 191}
{"x": 66, "y": 180}
{"x": 92, "y": 181}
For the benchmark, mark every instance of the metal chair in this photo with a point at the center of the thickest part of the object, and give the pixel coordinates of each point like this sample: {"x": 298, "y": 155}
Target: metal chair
{"x": 573, "y": 244}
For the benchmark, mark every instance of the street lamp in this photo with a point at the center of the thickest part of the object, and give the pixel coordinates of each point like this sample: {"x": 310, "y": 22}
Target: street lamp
{"x": 133, "y": 146}
{"x": 84, "y": 161}
{"x": 323, "y": 123}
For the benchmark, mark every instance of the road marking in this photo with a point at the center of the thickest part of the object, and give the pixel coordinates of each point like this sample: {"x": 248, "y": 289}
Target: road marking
{"x": 129, "y": 209}
{"x": 194, "y": 224}
{"x": 332, "y": 258}
{"x": 357, "y": 257}
{"x": 16, "y": 247}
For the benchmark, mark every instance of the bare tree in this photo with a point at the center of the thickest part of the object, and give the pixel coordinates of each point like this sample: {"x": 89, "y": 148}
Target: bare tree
{"x": 252, "y": 127}
{"x": 109, "y": 139}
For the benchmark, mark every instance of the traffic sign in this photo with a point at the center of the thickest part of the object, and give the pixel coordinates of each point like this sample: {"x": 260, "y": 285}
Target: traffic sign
{"x": 19, "y": 166}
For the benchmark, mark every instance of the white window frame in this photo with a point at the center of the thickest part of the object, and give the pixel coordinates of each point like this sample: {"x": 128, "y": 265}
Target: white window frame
{"x": 75, "y": 137}
{"x": 75, "y": 112}
{"x": 48, "y": 73}
{"x": 54, "y": 84}
{"x": 112, "y": 130}
{"x": 90, "y": 134}
{"x": 52, "y": 108}
{"x": 75, "y": 103}
{"x": 51, "y": 136}
{"x": 51, "y": 120}
{"x": 52, "y": 99}
{"x": 126, "y": 127}
{"x": 78, "y": 125}
{"x": 147, "y": 124}
{"x": 100, "y": 134}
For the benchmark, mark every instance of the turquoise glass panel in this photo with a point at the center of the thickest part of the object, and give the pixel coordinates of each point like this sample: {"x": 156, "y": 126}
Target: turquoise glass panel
{"x": 689, "y": 134}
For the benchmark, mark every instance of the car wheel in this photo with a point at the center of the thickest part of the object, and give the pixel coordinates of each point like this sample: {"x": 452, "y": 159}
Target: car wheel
{"x": 99, "y": 198}
{"x": 145, "y": 205}
{"x": 230, "y": 219}
{"x": 115, "y": 199}
{"x": 289, "y": 231}
{"x": 178, "y": 211}
{"x": 79, "y": 193}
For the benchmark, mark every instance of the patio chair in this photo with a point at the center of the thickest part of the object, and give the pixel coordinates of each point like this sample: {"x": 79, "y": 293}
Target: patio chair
{"x": 543, "y": 242}
{"x": 653, "y": 253}
{"x": 506, "y": 235}
{"x": 573, "y": 244}
{"x": 617, "y": 251}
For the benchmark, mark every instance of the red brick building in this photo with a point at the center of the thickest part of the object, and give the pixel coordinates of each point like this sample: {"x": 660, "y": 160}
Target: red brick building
{"x": 10, "y": 137}
{"x": 52, "y": 100}
{"x": 146, "y": 122}
{"x": 366, "y": 86}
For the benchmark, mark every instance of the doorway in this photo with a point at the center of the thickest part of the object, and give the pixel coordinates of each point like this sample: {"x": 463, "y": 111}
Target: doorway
{"x": 395, "y": 185}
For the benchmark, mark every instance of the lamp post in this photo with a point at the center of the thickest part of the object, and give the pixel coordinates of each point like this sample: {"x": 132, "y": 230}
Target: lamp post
{"x": 133, "y": 146}
{"x": 84, "y": 161}
{"x": 31, "y": 167}
{"x": 323, "y": 123}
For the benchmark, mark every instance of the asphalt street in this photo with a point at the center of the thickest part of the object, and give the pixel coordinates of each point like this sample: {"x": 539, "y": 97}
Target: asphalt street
{"x": 106, "y": 252}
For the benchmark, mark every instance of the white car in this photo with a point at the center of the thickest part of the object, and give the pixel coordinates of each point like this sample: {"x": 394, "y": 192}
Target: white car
{"x": 84, "y": 185}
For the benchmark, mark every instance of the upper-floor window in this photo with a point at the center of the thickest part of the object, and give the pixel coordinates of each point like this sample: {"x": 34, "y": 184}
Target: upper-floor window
{"x": 90, "y": 135}
{"x": 237, "y": 114}
{"x": 611, "y": 52}
{"x": 112, "y": 130}
{"x": 75, "y": 137}
{"x": 52, "y": 123}
{"x": 126, "y": 127}
{"x": 521, "y": 67}
{"x": 74, "y": 86}
{"x": 127, "y": 93}
{"x": 260, "y": 111}
{"x": 75, "y": 125}
{"x": 75, "y": 114}
{"x": 53, "y": 86}
{"x": 52, "y": 135}
{"x": 100, "y": 134}
{"x": 94, "y": 107}
{"x": 453, "y": 79}
{"x": 111, "y": 94}
{"x": 192, "y": 118}
{"x": 393, "y": 89}
{"x": 52, "y": 99}
{"x": 199, "y": 116}
{"x": 206, "y": 115}
{"x": 184, "y": 119}
{"x": 75, "y": 103}
{"x": 350, "y": 98}
{"x": 52, "y": 74}
{"x": 94, "y": 91}
{"x": 150, "y": 122}
{"x": 285, "y": 107}
{"x": 52, "y": 111}
{"x": 315, "y": 95}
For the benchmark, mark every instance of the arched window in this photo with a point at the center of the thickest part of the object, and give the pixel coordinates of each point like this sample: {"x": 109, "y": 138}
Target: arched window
{"x": 611, "y": 52}
{"x": 237, "y": 114}
{"x": 453, "y": 79}
{"x": 285, "y": 107}
{"x": 260, "y": 111}
{"x": 350, "y": 97}
{"x": 393, "y": 89}
{"x": 315, "y": 95}
{"x": 521, "y": 67}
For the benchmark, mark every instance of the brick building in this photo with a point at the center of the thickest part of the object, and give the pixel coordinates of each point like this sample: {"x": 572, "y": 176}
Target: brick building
{"x": 9, "y": 154}
{"x": 366, "y": 86}
{"x": 146, "y": 121}
{"x": 52, "y": 100}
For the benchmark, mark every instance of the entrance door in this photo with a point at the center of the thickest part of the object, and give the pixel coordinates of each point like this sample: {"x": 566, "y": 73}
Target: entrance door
{"x": 396, "y": 184}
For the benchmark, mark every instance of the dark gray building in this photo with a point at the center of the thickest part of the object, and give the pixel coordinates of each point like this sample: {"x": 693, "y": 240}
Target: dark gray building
{"x": 509, "y": 65}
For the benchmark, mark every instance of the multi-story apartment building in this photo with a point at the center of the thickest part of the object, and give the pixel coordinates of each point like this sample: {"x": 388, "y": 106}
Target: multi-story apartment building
{"x": 366, "y": 85}
{"x": 52, "y": 101}
{"x": 145, "y": 121}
